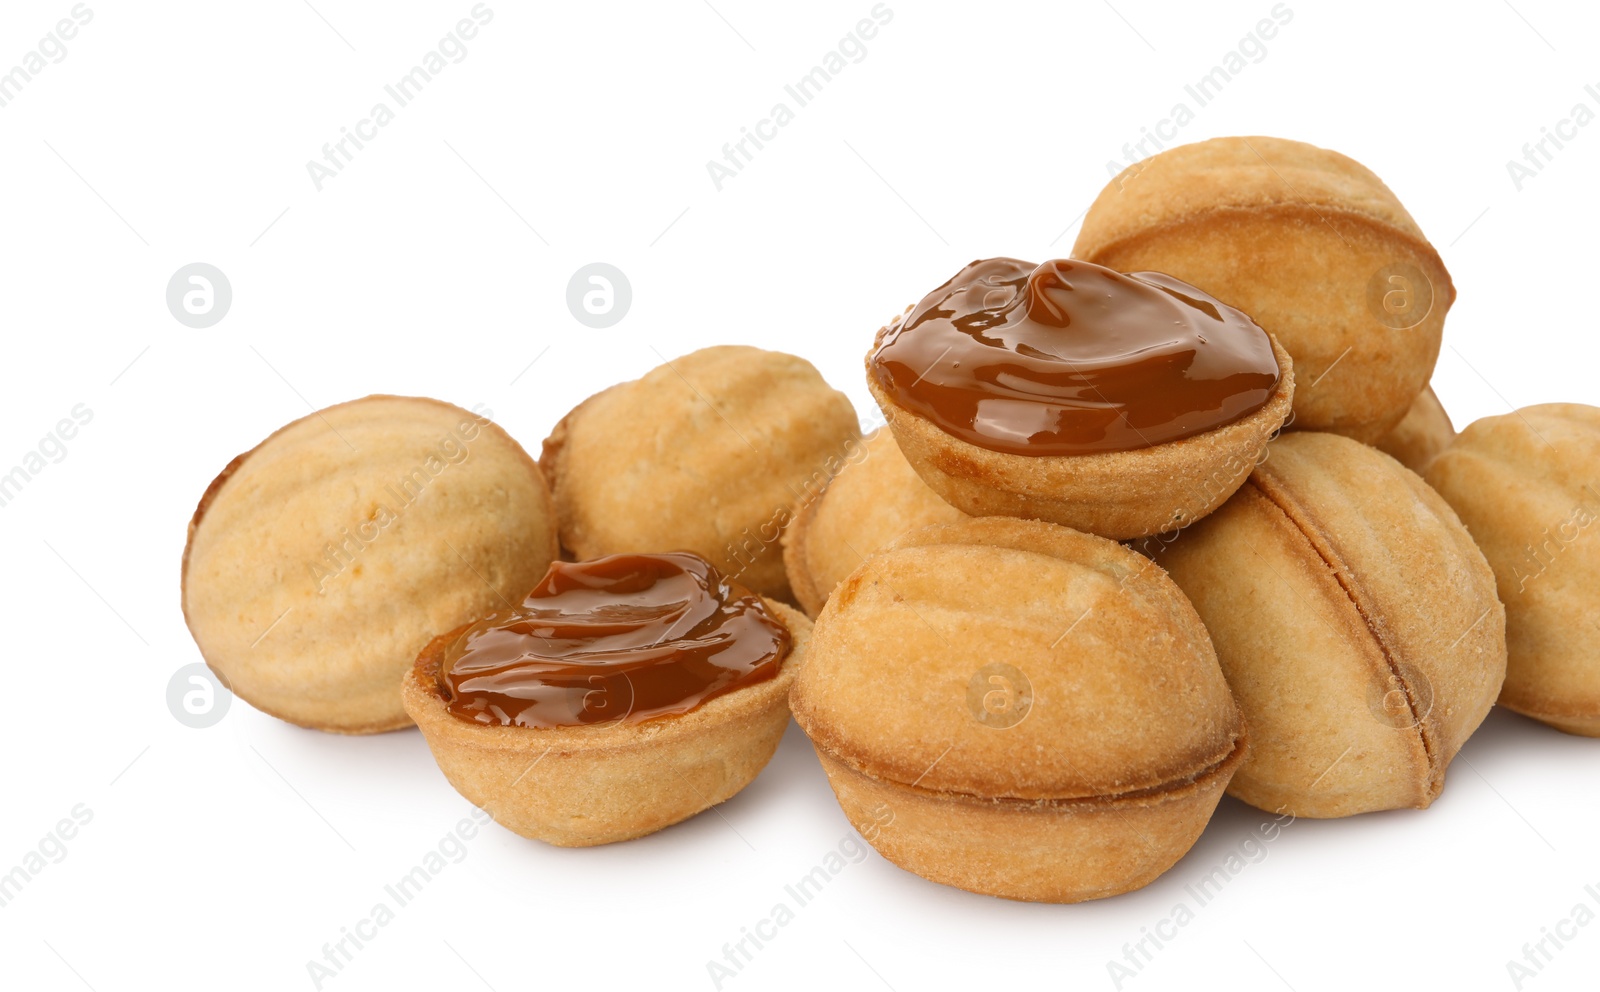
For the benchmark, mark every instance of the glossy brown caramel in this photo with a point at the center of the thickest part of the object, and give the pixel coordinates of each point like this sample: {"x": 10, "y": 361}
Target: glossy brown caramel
{"x": 1070, "y": 358}
{"x": 625, "y": 637}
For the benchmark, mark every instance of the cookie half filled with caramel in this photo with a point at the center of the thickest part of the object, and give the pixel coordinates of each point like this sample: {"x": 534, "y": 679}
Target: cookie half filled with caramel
{"x": 1120, "y": 404}
{"x": 624, "y": 694}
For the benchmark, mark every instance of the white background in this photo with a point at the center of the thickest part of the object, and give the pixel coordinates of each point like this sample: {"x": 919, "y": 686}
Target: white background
{"x": 436, "y": 264}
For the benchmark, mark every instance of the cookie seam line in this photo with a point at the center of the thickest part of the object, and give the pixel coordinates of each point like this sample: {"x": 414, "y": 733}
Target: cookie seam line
{"x": 1281, "y": 501}
{"x": 1154, "y": 792}
{"x": 1319, "y": 212}
{"x": 1158, "y": 791}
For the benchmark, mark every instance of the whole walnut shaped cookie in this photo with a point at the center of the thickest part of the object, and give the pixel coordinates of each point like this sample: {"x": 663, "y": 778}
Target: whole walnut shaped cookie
{"x": 1308, "y": 242}
{"x": 322, "y": 560}
{"x": 1528, "y": 486}
{"x": 707, "y": 453}
{"x": 1356, "y": 621}
{"x": 1039, "y": 709}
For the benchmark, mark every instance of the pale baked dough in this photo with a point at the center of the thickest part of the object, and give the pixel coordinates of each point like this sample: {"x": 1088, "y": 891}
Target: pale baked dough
{"x": 1419, "y": 437}
{"x": 1095, "y": 785}
{"x": 873, "y": 500}
{"x": 321, "y": 561}
{"x": 708, "y": 453}
{"x": 582, "y": 786}
{"x": 1115, "y": 494}
{"x": 1305, "y": 241}
{"x": 1357, "y": 624}
{"x": 1528, "y": 486}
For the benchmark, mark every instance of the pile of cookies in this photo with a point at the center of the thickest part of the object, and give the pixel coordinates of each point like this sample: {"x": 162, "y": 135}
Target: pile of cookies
{"x": 1175, "y": 517}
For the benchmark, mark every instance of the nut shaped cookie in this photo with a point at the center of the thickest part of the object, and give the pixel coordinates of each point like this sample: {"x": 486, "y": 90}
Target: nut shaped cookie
{"x": 321, "y": 561}
{"x": 1019, "y": 709}
{"x": 1527, "y": 484}
{"x": 1311, "y": 244}
{"x": 1357, "y": 624}
{"x": 708, "y": 453}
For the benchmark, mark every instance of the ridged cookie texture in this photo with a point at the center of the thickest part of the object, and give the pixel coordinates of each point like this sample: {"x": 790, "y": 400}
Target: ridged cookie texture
{"x": 1356, "y": 621}
{"x": 1019, "y": 709}
{"x": 1528, "y": 486}
{"x": 322, "y": 560}
{"x": 707, "y": 453}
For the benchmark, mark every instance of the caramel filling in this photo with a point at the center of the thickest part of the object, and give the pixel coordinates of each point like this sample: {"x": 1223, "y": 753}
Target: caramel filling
{"x": 626, "y": 637}
{"x": 1071, "y": 358}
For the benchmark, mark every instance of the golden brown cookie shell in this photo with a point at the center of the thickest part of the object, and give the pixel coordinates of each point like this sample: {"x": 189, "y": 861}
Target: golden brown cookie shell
{"x": 331, "y": 661}
{"x": 1525, "y": 483}
{"x": 1357, "y": 624}
{"x": 1127, "y": 705}
{"x": 1421, "y": 434}
{"x": 940, "y": 603}
{"x": 1115, "y": 494}
{"x": 708, "y": 453}
{"x": 872, "y": 501}
{"x": 584, "y": 786}
{"x": 1058, "y": 852}
{"x": 1293, "y": 235}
